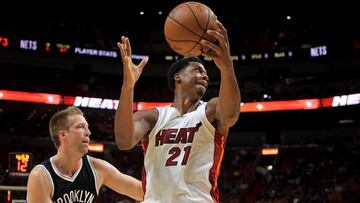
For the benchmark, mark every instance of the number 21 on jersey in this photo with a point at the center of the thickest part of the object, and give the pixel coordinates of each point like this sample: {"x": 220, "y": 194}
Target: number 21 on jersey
{"x": 175, "y": 153}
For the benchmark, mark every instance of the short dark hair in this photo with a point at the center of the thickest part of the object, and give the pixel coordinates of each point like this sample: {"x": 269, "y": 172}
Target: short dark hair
{"x": 178, "y": 66}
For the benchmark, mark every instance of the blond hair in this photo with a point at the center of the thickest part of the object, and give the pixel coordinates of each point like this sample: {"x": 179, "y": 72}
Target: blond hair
{"x": 60, "y": 121}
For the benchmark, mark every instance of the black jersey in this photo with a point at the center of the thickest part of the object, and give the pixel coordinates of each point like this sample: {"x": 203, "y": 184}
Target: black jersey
{"x": 80, "y": 188}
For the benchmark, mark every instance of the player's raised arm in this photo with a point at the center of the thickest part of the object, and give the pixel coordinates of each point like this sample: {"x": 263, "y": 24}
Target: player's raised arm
{"x": 126, "y": 136}
{"x": 227, "y": 106}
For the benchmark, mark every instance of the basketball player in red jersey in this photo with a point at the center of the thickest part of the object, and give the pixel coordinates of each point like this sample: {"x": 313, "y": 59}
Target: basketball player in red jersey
{"x": 183, "y": 143}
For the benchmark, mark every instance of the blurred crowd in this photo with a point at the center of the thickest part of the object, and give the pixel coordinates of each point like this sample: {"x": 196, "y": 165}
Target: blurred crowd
{"x": 325, "y": 173}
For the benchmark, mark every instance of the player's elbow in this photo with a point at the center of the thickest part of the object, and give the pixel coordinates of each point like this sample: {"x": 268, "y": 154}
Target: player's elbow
{"x": 122, "y": 145}
{"x": 139, "y": 197}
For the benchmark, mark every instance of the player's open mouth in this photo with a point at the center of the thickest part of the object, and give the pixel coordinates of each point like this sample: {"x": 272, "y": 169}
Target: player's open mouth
{"x": 203, "y": 83}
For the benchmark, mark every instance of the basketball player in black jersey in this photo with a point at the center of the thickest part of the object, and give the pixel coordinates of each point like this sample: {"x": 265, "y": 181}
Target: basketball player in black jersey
{"x": 71, "y": 175}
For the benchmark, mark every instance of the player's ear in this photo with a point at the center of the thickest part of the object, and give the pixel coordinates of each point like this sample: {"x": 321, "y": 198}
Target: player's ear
{"x": 177, "y": 77}
{"x": 62, "y": 134}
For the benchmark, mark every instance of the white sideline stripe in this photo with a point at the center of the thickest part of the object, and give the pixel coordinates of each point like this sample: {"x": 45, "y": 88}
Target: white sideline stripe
{"x": 13, "y": 187}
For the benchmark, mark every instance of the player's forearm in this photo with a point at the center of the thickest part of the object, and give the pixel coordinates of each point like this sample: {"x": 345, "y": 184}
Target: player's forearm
{"x": 229, "y": 96}
{"x": 124, "y": 126}
{"x": 133, "y": 188}
{"x": 138, "y": 192}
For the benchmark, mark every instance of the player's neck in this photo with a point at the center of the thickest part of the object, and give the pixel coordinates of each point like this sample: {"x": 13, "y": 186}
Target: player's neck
{"x": 186, "y": 105}
{"x": 67, "y": 164}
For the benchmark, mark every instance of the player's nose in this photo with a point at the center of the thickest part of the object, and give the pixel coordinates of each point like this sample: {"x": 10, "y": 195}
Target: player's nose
{"x": 88, "y": 132}
{"x": 205, "y": 77}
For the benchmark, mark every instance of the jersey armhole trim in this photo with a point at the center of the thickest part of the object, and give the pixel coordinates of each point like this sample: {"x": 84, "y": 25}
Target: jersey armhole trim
{"x": 204, "y": 117}
{"x": 94, "y": 173}
{"x": 158, "y": 109}
{"x": 50, "y": 179}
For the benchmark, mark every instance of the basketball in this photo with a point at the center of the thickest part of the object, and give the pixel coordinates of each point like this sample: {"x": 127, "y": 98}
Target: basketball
{"x": 186, "y": 26}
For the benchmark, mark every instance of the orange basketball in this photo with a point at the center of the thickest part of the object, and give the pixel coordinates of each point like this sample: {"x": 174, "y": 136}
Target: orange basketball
{"x": 186, "y": 26}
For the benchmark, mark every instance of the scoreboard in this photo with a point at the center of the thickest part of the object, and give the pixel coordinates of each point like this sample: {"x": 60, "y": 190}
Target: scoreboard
{"x": 51, "y": 47}
{"x": 20, "y": 163}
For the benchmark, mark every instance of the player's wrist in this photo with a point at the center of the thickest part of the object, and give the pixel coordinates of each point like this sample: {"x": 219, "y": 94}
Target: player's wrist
{"x": 127, "y": 87}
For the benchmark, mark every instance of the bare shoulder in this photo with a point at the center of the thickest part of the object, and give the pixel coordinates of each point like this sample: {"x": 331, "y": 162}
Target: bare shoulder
{"x": 39, "y": 186}
{"x": 102, "y": 168}
{"x": 210, "y": 108}
{"x": 106, "y": 173}
{"x": 38, "y": 177}
{"x": 212, "y": 102}
{"x": 147, "y": 116}
{"x": 39, "y": 172}
{"x": 99, "y": 164}
{"x": 213, "y": 115}
{"x": 151, "y": 114}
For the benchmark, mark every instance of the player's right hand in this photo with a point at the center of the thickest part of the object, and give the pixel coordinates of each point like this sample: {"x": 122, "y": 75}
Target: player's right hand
{"x": 131, "y": 71}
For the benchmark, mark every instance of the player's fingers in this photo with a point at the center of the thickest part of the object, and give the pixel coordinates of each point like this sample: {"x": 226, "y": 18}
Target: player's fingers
{"x": 128, "y": 46}
{"x": 126, "y": 67}
{"x": 124, "y": 45}
{"x": 121, "y": 48}
{"x": 206, "y": 54}
{"x": 216, "y": 34}
{"x": 211, "y": 46}
{"x": 223, "y": 30}
{"x": 143, "y": 63}
{"x": 219, "y": 37}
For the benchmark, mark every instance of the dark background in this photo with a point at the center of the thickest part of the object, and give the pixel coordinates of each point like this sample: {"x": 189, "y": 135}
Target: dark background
{"x": 330, "y": 135}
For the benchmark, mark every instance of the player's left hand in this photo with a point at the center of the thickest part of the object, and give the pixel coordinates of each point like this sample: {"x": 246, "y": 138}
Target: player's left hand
{"x": 219, "y": 53}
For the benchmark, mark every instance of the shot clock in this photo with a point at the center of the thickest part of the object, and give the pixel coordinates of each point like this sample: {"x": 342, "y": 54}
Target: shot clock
{"x": 20, "y": 163}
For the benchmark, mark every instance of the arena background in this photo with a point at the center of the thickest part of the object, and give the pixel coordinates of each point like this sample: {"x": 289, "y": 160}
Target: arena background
{"x": 304, "y": 55}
